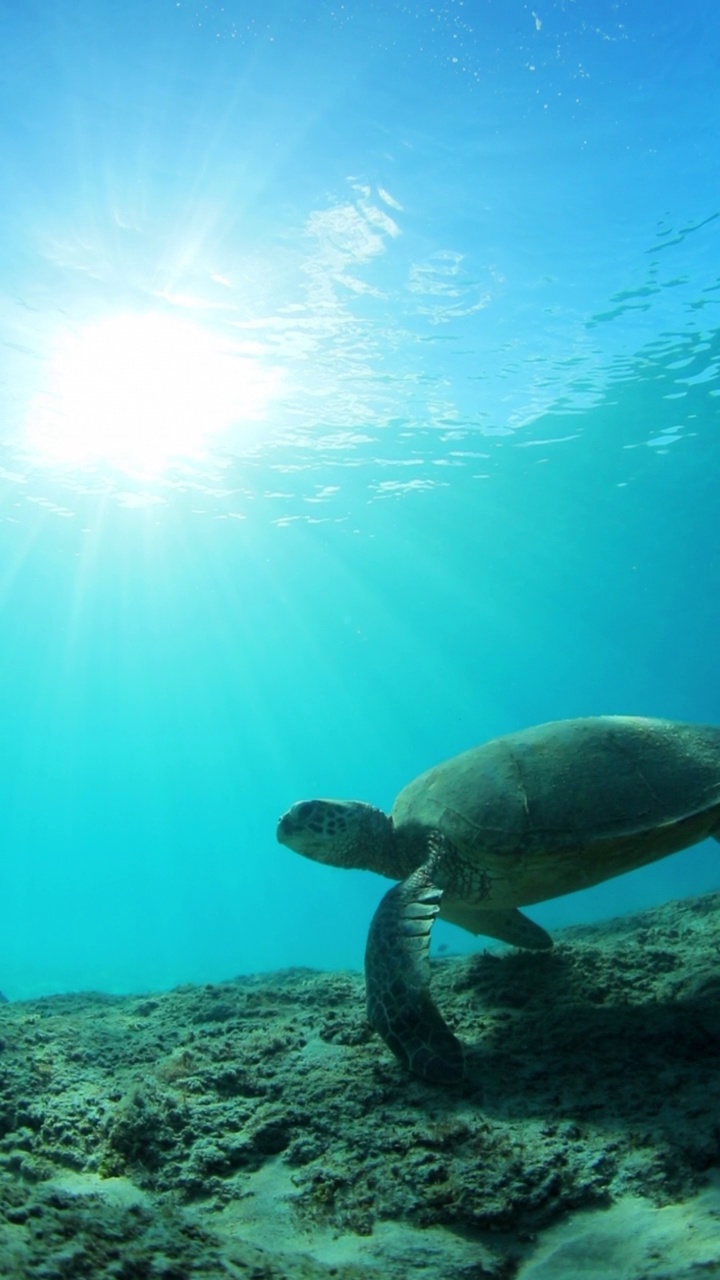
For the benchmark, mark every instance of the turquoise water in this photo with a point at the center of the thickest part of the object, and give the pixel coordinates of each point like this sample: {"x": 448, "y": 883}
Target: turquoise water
{"x": 360, "y": 402}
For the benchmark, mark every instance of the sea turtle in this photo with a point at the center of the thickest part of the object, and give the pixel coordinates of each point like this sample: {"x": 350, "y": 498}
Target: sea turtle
{"x": 519, "y": 819}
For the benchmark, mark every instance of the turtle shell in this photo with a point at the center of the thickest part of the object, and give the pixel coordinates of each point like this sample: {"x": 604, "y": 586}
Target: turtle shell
{"x": 564, "y": 805}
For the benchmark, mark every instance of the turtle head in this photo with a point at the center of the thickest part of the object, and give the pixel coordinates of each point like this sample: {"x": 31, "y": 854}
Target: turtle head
{"x": 343, "y": 833}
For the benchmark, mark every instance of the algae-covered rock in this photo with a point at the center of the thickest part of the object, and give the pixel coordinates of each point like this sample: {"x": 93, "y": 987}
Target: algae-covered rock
{"x": 253, "y": 1124}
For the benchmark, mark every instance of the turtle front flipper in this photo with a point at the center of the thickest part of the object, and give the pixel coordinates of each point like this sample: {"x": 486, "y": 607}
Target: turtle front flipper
{"x": 397, "y": 973}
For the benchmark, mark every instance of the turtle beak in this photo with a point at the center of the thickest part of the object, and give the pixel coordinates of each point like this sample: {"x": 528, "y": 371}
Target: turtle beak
{"x": 303, "y": 829}
{"x": 293, "y": 825}
{"x": 284, "y": 829}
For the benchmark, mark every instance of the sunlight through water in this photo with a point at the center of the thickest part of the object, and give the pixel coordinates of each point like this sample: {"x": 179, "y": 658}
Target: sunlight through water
{"x": 137, "y": 391}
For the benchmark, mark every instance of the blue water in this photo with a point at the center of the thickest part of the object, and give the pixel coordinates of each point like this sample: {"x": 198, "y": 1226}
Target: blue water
{"x": 360, "y": 401}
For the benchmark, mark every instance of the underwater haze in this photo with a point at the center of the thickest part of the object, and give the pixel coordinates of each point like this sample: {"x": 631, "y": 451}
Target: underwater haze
{"x": 360, "y": 370}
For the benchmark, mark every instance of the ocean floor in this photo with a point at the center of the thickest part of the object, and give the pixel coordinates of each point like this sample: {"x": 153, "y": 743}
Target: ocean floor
{"x": 256, "y": 1129}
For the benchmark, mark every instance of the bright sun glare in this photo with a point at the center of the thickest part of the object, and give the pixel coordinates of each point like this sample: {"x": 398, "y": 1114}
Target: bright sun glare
{"x": 139, "y": 391}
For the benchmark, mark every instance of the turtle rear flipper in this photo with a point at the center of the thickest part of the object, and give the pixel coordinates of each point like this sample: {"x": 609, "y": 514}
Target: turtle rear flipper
{"x": 397, "y": 973}
{"x": 507, "y": 924}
